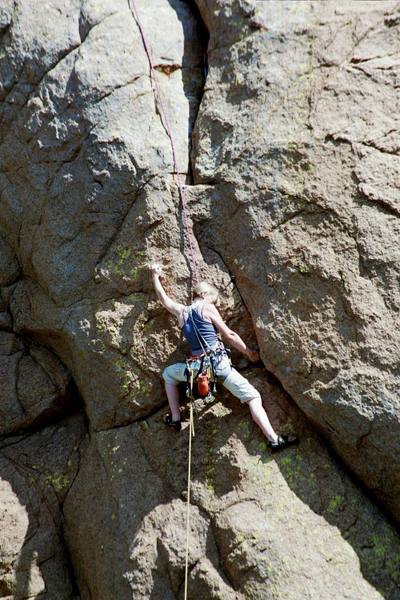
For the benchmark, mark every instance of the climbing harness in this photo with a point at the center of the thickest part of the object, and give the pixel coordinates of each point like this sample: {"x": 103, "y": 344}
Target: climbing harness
{"x": 201, "y": 381}
{"x": 187, "y": 241}
{"x": 200, "y": 378}
{"x": 187, "y": 231}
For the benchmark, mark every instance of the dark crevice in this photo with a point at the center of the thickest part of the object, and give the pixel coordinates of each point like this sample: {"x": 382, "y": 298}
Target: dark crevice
{"x": 290, "y": 217}
{"x": 64, "y": 406}
{"x": 7, "y": 441}
{"x": 331, "y": 428}
{"x": 133, "y": 421}
{"x": 361, "y": 439}
{"x": 210, "y": 181}
{"x": 368, "y": 492}
{"x": 118, "y": 87}
{"x": 4, "y": 31}
{"x": 380, "y": 204}
{"x": 16, "y": 380}
{"x": 372, "y": 144}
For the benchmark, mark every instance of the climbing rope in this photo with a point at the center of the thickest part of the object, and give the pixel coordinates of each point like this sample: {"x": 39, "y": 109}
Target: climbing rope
{"x": 187, "y": 242}
{"x": 187, "y": 231}
{"x": 191, "y": 434}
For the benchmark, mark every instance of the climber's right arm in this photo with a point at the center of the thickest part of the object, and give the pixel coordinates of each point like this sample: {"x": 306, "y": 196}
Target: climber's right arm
{"x": 173, "y": 307}
{"x": 229, "y": 335}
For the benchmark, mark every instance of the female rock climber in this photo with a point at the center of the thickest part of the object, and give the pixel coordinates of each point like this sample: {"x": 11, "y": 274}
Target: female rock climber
{"x": 200, "y": 322}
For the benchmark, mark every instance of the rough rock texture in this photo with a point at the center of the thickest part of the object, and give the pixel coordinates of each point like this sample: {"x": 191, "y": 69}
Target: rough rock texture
{"x": 298, "y": 139}
{"x": 35, "y": 473}
{"x": 86, "y": 186}
{"x": 34, "y": 385}
{"x": 262, "y": 527}
{"x": 295, "y": 169}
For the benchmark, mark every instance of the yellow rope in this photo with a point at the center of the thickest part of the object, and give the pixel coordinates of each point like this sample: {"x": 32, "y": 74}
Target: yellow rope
{"x": 191, "y": 434}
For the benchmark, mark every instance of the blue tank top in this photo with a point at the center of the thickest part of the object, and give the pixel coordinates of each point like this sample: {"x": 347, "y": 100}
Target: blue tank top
{"x": 200, "y": 334}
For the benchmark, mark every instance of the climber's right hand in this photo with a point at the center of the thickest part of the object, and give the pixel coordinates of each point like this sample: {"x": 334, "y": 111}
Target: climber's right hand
{"x": 156, "y": 269}
{"x": 253, "y": 355}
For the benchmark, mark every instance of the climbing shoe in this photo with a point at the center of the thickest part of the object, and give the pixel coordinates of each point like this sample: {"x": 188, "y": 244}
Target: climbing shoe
{"x": 174, "y": 424}
{"x": 284, "y": 441}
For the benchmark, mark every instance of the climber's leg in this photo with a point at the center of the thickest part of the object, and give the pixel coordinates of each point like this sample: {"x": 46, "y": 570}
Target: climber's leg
{"x": 172, "y": 375}
{"x": 260, "y": 417}
{"x": 173, "y": 400}
{"x": 241, "y": 388}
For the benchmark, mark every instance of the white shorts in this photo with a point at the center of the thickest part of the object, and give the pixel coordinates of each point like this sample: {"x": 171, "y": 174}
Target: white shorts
{"x": 231, "y": 379}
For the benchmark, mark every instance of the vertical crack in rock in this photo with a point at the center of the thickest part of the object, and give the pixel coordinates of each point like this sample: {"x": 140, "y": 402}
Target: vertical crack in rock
{"x": 188, "y": 241}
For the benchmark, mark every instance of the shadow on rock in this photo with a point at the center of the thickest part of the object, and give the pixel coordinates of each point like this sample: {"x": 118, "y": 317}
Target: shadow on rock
{"x": 35, "y": 473}
{"x": 292, "y": 523}
{"x": 307, "y": 499}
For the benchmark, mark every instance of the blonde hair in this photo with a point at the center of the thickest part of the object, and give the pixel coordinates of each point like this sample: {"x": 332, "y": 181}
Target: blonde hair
{"x": 206, "y": 288}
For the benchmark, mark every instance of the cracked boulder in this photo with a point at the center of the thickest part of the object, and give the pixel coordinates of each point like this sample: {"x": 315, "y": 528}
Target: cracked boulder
{"x": 296, "y": 158}
{"x": 262, "y": 526}
{"x": 34, "y": 384}
{"x": 35, "y": 474}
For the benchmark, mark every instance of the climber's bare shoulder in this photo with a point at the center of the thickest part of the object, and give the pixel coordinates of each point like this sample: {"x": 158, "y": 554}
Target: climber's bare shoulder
{"x": 211, "y": 313}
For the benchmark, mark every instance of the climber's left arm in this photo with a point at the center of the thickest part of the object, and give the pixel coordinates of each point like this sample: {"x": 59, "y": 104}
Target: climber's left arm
{"x": 211, "y": 312}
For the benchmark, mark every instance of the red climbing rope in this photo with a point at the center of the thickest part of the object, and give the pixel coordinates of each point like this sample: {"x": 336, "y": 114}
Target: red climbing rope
{"x": 187, "y": 231}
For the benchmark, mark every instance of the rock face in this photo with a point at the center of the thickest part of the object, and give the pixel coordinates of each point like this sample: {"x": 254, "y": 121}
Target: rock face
{"x": 261, "y": 527}
{"x": 86, "y": 167}
{"x": 292, "y": 189}
{"x": 297, "y": 138}
{"x": 34, "y": 385}
{"x": 35, "y": 474}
